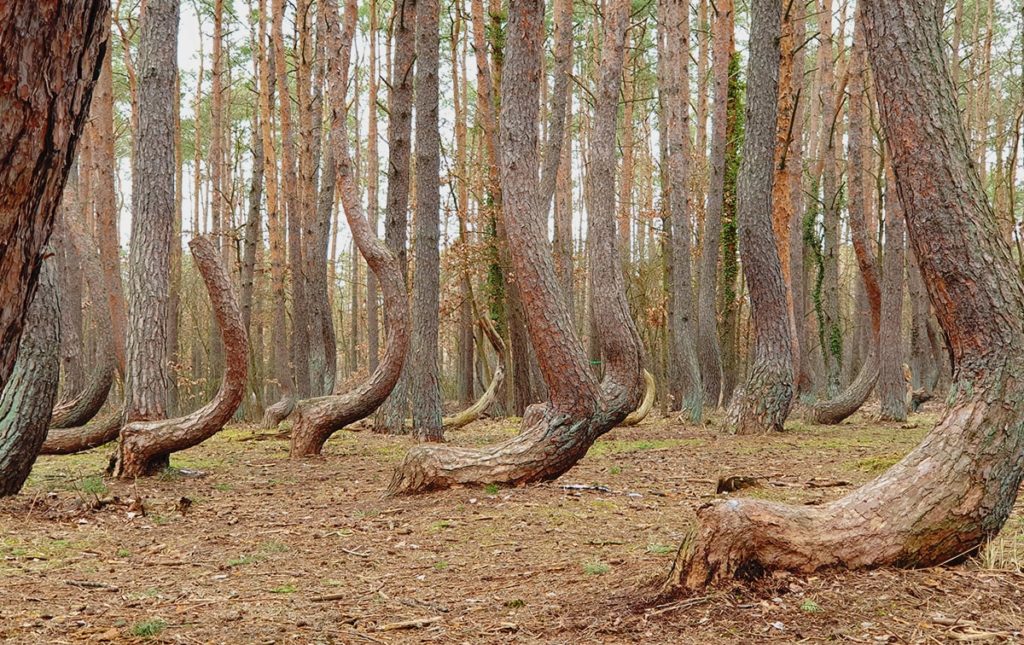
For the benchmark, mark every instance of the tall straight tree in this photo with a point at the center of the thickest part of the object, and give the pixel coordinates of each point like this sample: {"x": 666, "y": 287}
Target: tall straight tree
{"x": 708, "y": 348}
{"x": 892, "y": 386}
{"x": 675, "y": 88}
{"x": 556, "y": 435}
{"x": 768, "y": 393}
{"x": 953, "y": 492}
{"x": 392, "y": 415}
{"x": 152, "y": 215}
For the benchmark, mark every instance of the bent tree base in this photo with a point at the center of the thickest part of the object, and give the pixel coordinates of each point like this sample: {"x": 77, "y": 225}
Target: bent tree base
{"x": 891, "y": 521}
{"x": 953, "y": 492}
{"x": 548, "y": 445}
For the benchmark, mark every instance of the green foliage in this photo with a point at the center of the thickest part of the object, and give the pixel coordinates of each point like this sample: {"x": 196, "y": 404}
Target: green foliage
{"x": 148, "y": 628}
{"x": 596, "y": 568}
{"x": 491, "y": 489}
{"x": 810, "y": 606}
{"x": 286, "y": 588}
{"x": 660, "y": 549}
{"x": 94, "y": 485}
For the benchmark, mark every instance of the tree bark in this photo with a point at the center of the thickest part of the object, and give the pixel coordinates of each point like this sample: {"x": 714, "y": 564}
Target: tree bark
{"x": 892, "y": 384}
{"x": 392, "y": 415}
{"x": 675, "y": 85}
{"x": 317, "y": 419}
{"x": 558, "y": 434}
{"x": 79, "y": 409}
{"x": 424, "y": 390}
{"x": 953, "y": 492}
{"x": 152, "y": 213}
{"x": 44, "y": 108}
{"x": 709, "y": 352}
{"x": 29, "y": 394}
{"x": 842, "y": 405}
{"x": 768, "y": 393}
{"x": 106, "y": 232}
{"x": 146, "y": 444}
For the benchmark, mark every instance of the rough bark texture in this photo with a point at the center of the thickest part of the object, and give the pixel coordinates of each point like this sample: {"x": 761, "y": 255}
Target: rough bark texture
{"x": 768, "y": 393}
{"x": 675, "y": 86}
{"x": 556, "y": 435}
{"x": 892, "y": 384}
{"x": 954, "y": 491}
{"x": 842, "y": 405}
{"x": 152, "y": 213}
{"x": 830, "y": 331}
{"x": 708, "y": 349}
{"x": 99, "y": 431}
{"x": 86, "y": 403}
{"x": 556, "y": 131}
{"x": 49, "y": 60}
{"x": 392, "y": 415}
{"x": 29, "y": 394}
{"x": 317, "y": 419}
{"x": 145, "y": 445}
{"x": 424, "y": 390}
{"x": 104, "y": 164}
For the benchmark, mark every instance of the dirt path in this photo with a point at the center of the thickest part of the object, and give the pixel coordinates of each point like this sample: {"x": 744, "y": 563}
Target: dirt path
{"x": 244, "y": 546}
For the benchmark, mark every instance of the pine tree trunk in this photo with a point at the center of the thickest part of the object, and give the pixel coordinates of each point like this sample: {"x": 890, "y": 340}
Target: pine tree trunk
{"x": 29, "y": 394}
{"x": 675, "y": 85}
{"x": 768, "y": 393}
{"x": 892, "y": 384}
{"x": 317, "y": 419}
{"x": 152, "y": 214}
{"x": 41, "y": 125}
{"x": 953, "y": 492}
{"x": 558, "y": 434}
{"x": 392, "y": 415}
{"x": 708, "y": 349}
{"x": 147, "y": 443}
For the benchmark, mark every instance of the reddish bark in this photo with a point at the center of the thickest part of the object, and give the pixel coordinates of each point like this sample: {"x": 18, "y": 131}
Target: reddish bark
{"x": 317, "y": 419}
{"x": 145, "y": 444}
{"x": 50, "y": 57}
{"x": 953, "y": 492}
{"x": 554, "y": 436}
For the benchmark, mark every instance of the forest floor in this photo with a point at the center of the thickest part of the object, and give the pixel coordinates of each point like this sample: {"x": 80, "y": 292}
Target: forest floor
{"x": 238, "y": 544}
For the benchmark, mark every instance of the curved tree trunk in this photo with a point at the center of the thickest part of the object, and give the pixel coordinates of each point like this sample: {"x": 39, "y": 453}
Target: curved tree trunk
{"x": 87, "y": 403}
{"x": 98, "y": 432}
{"x": 953, "y": 492}
{"x": 28, "y": 397}
{"x": 768, "y": 393}
{"x": 145, "y": 445}
{"x": 554, "y": 436}
{"x": 393, "y": 412}
{"x": 40, "y": 127}
{"x": 848, "y": 401}
{"x": 317, "y": 419}
{"x": 638, "y": 415}
{"x": 473, "y": 412}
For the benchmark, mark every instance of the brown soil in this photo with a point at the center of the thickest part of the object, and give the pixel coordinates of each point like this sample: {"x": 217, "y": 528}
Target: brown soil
{"x": 242, "y": 545}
